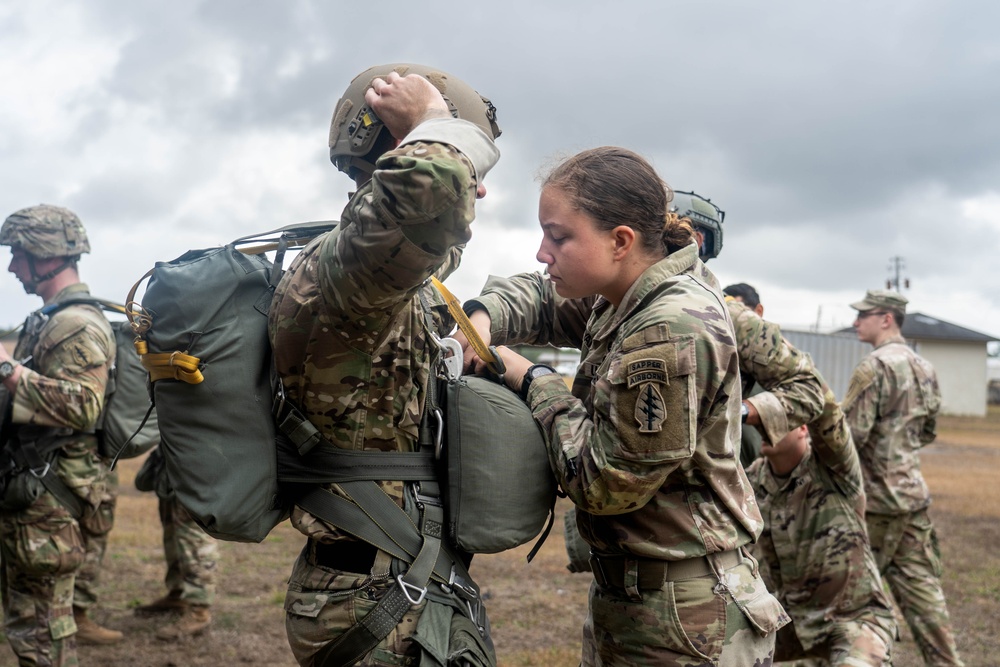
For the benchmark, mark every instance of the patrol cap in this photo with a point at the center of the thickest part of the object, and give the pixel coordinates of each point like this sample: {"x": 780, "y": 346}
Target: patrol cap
{"x": 356, "y": 131}
{"x": 45, "y": 231}
{"x": 879, "y": 298}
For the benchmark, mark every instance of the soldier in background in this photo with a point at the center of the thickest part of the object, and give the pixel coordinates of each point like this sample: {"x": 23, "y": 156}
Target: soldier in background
{"x": 53, "y": 394}
{"x": 191, "y": 556}
{"x": 891, "y": 406}
{"x": 792, "y": 389}
{"x": 814, "y": 552}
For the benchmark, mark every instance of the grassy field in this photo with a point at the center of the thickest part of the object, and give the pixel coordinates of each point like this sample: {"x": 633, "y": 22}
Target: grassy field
{"x": 536, "y": 609}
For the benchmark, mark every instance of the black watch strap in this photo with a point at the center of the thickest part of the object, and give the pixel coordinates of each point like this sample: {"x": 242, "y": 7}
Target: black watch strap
{"x": 538, "y": 370}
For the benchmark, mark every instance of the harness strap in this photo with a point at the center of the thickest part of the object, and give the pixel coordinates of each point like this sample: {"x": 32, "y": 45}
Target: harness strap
{"x": 372, "y": 516}
{"x": 30, "y": 460}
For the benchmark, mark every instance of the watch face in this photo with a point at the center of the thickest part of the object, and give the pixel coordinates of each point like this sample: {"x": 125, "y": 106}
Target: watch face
{"x": 6, "y": 370}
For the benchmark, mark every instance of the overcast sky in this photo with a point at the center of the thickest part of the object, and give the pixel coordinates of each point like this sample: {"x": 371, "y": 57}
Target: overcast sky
{"x": 834, "y": 135}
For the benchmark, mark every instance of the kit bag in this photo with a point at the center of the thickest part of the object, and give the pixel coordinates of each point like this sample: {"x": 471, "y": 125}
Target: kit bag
{"x": 203, "y": 323}
{"x": 500, "y": 491}
{"x": 128, "y": 425}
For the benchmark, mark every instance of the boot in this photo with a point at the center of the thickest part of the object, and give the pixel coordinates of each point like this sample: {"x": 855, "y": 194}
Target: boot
{"x": 88, "y": 632}
{"x": 195, "y": 621}
{"x": 168, "y": 604}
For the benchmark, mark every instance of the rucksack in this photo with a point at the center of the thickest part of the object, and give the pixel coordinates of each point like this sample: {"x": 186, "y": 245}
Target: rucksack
{"x": 127, "y": 426}
{"x": 203, "y": 325}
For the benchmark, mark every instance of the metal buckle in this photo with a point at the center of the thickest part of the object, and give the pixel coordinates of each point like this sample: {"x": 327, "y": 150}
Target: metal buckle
{"x": 451, "y": 358}
{"x": 439, "y": 435}
{"x": 279, "y": 403}
{"x": 422, "y": 499}
{"x": 408, "y": 587}
{"x": 44, "y": 472}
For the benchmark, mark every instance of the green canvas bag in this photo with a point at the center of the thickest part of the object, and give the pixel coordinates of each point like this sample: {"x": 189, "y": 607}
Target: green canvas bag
{"x": 203, "y": 325}
{"x": 500, "y": 491}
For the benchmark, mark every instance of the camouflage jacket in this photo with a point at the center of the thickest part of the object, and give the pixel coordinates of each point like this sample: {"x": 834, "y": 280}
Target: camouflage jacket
{"x": 814, "y": 552}
{"x": 346, "y": 323}
{"x": 793, "y": 389}
{"x": 61, "y": 390}
{"x": 646, "y": 442}
{"x": 891, "y": 406}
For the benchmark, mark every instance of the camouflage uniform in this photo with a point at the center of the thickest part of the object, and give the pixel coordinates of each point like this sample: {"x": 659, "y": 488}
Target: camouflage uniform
{"x": 96, "y": 532}
{"x": 814, "y": 552}
{"x": 60, "y": 394}
{"x": 645, "y": 447}
{"x": 891, "y": 405}
{"x": 792, "y": 388}
{"x": 349, "y": 339}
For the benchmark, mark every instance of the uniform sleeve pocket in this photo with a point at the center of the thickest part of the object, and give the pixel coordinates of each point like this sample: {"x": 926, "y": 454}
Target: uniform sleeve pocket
{"x": 655, "y": 402}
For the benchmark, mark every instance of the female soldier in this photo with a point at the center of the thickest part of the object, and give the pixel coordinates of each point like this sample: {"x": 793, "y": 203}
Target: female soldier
{"x": 645, "y": 444}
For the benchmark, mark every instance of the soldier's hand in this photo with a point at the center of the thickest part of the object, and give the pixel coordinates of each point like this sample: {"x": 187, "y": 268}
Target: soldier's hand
{"x": 516, "y": 367}
{"x": 403, "y": 102}
{"x": 471, "y": 363}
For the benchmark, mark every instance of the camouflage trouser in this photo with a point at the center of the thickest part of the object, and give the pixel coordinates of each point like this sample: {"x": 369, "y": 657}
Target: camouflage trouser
{"x": 906, "y": 550}
{"x": 96, "y": 528}
{"x": 41, "y": 549}
{"x": 697, "y": 622}
{"x": 850, "y": 644}
{"x": 191, "y": 555}
{"x": 323, "y": 603}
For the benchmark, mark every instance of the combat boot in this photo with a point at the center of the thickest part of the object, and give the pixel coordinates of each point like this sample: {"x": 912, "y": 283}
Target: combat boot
{"x": 195, "y": 621}
{"x": 168, "y": 604}
{"x": 89, "y": 632}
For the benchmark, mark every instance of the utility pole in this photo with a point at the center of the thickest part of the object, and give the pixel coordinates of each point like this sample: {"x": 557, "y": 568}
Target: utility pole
{"x": 896, "y": 266}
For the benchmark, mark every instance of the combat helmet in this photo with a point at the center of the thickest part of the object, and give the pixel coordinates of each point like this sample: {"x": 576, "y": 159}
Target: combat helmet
{"x": 358, "y": 137}
{"x": 705, "y": 216}
{"x": 45, "y": 231}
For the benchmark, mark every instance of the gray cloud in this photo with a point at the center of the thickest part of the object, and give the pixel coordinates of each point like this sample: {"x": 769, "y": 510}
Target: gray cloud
{"x": 834, "y": 135}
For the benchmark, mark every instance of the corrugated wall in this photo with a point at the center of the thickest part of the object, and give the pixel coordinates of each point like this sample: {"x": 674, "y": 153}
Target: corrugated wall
{"x": 835, "y": 355}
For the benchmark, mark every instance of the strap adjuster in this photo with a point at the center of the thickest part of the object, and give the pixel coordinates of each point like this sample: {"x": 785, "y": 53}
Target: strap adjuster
{"x": 410, "y": 587}
{"x": 39, "y": 475}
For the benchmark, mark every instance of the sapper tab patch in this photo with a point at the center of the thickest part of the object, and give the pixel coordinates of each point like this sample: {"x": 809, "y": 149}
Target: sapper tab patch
{"x": 646, "y": 370}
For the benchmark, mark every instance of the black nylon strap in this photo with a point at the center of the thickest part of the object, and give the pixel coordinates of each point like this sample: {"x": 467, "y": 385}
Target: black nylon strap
{"x": 365, "y": 635}
{"x": 28, "y": 457}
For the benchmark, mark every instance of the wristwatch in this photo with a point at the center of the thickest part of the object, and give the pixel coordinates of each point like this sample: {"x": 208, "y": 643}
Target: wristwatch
{"x": 6, "y": 369}
{"x": 536, "y": 371}
{"x": 745, "y": 412}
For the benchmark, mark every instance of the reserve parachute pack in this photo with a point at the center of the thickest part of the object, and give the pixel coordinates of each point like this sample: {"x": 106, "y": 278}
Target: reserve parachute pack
{"x": 128, "y": 425}
{"x": 239, "y": 456}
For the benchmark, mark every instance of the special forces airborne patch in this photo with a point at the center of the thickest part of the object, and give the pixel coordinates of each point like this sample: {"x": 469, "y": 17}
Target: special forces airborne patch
{"x": 649, "y": 407}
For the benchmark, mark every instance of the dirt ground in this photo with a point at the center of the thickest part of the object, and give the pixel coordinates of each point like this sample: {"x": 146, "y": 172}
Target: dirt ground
{"x": 536, "y": 609}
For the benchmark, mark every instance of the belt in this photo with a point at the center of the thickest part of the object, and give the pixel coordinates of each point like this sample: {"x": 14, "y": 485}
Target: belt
{"x": 346, "y": 556}
{"x": 610, "y": 571}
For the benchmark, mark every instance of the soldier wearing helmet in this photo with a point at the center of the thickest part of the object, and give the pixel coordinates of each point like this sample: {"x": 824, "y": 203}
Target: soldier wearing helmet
{"x": 54, "y": 486}
{"x": 782, "y": 390}
{"x": 352, "y": 346}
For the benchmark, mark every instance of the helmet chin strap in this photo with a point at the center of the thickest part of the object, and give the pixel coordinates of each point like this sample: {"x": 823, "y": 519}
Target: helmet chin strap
{"x": 36, "y": 279}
